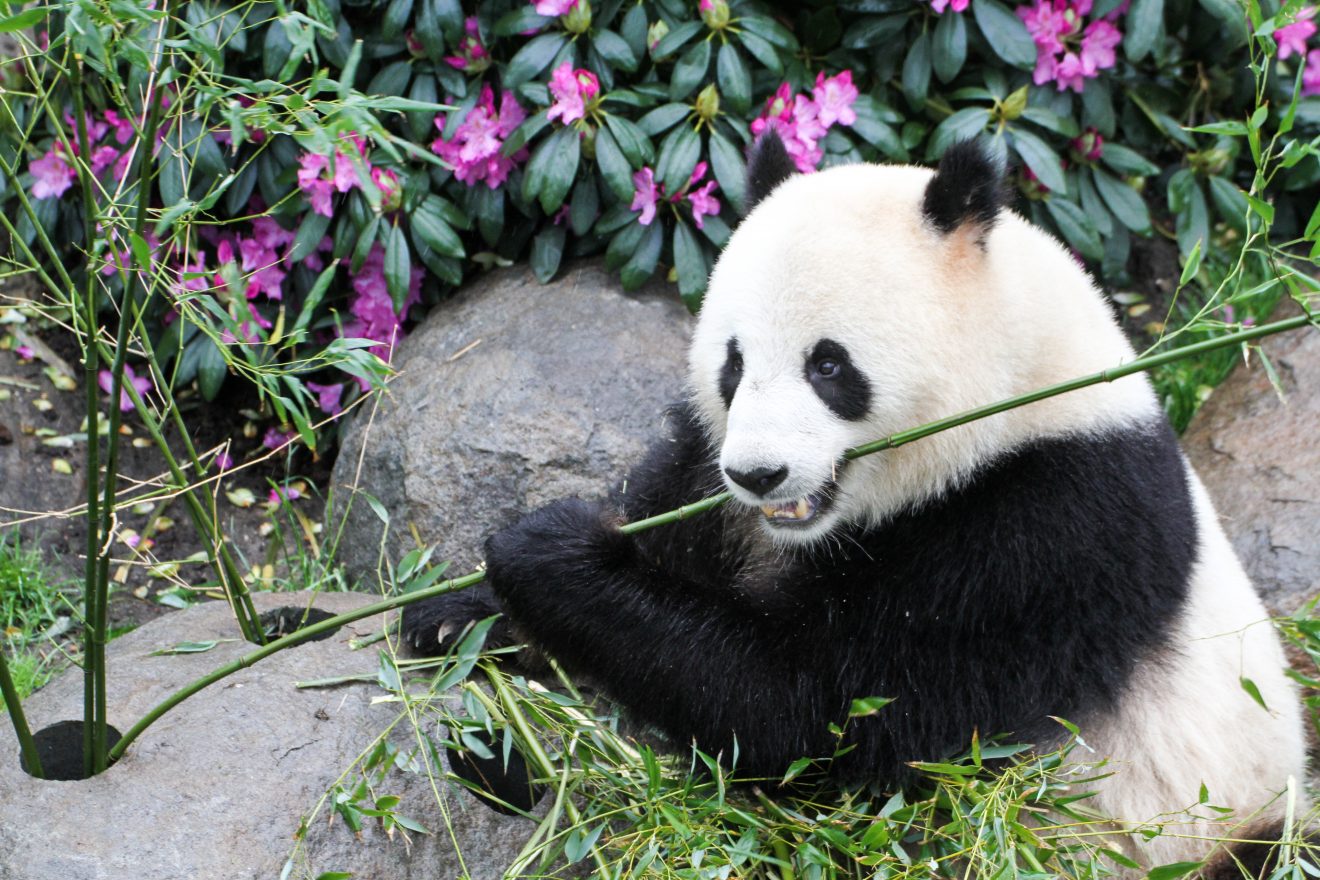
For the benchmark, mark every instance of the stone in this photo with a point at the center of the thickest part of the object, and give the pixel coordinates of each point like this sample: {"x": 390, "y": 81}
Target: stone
{"x": 218, "y": 786}
{"x": 1259, "y": 457}
{"x": 511, "y": 395}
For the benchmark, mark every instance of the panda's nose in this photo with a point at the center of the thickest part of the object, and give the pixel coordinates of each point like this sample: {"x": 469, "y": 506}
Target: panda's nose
{"x": 761, "y": 480}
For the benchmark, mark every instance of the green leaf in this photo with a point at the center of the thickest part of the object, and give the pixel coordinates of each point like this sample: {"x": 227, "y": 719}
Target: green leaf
{"x": 873, "y": 32}
{"x": 726, "y": 161}
{"x": 25, "y": 19}
{"x": 583, "y": 206}
{"x": 1040, "y": 158}
{"x": 734, "y": 80}
{"x": 1098, "y": 107}
{"x": 690, "y": 70}
{"x": 1145, "y": 28}
{"x": 1076, "y": 227}
{"x": 392, "y": 80}
{"x": 310, "y": 233}
{"x": 211, "y": 367}
{"x": 1173, "y": 871}
{"x": 690, "y": 264}
{"x": 949, "y": 47}
{"x": 642, "y": 263}
{"x": 520, "y": 21}
{"x": 613, "y": 166}
{"x": 769, "y": 30}
{"x": 1188, "y": 273}
{"x": 533, "y": 58}
{"x": 1005, "y": 33}
{"x": 1126, "y": 203}
{"x": 615, "y": 50}
{"x": 762, "y": 51}
{"x": 663, "y": 118}
{"x": 547, "y": 251}
{"x": 674, "y": 40}
{"x": 396, "y": 18}
{"x": 624, "y": 244}
{"x": 634, "y": 143}
{"x": 678, "y": 156}
{"x": 553, "y": 167}
{"x": 1092, "y": 204}
{"x": 398, "y": 266}
{"x": 866, "y": 706}
{"x": 916, "y": 71}
{"x": 1055, "y": 123}
{"x": 429, "y": 226}
{"x": 1232, "y": 204}
{"x": 1127, "y": 161}
{"x": 967, "y": 123}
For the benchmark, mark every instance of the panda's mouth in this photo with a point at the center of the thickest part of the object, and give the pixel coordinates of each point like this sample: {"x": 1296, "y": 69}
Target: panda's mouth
{"x": 800, "y": 512}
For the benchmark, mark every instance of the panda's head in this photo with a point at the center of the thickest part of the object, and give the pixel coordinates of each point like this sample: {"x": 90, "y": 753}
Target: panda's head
{"x": 848, "y": 305}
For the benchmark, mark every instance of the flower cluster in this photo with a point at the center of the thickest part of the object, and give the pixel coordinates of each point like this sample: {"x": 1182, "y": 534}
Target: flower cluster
{"x": 474, "y": 150}
{"x": 554, "y": 8}
{"x": 958, "y": 5}
{"x": 472, "y": 56}
{"x": 802, "y": 121}
{"x": 53, "y": 173}
{"x": 647, "y": 194}
{"x": 373, "y": 310}
{"x": 141, "y": 384}
{"x": 320, "y": 177}
{"x": 571, "y": 90}
{"x": 1292, "y": 40}
{"x": 1069, "y": 51}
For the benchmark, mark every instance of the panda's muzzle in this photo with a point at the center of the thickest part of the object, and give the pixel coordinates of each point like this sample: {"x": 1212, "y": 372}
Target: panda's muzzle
{"x": 799, "y": 512}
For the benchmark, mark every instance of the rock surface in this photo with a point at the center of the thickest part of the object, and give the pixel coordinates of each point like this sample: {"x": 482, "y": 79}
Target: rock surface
{"x": 1259, "y": 457}
{"x": 510, "y": 396}
{"x": 217, "y": 787}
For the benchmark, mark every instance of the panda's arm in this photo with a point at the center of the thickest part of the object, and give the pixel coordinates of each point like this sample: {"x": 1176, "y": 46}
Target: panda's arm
{"x": 692, "y": 664}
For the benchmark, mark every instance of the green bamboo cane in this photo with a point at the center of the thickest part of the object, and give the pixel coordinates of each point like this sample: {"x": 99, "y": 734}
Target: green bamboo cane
{"x": 690, "y": 510}
{"x": 94, "y": 599}
{"x": 26, "y": 744}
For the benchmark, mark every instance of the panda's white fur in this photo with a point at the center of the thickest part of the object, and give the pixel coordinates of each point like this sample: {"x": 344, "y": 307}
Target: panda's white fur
{"x": 844, "y": 253}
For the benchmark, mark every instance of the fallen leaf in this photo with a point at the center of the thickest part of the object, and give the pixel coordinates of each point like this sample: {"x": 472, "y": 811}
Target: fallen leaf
{"x": 241, "y": 497}
{"x": 60, "y": 466}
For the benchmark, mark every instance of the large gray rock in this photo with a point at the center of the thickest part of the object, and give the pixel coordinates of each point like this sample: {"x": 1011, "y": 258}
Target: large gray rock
{"x": 510, "y": 396}
{"x": 218, "y": 787}
{"x": 1259, "y": 457}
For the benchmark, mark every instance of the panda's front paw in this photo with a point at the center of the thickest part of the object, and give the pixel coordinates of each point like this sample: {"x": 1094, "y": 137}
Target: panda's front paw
{"x": 433, "y": 626}
{"x": 557, "y": 547}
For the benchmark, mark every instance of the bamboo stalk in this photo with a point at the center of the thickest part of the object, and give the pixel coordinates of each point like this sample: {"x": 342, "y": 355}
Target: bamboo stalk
{"x": 26, "y": 744}
{"x": 690, "y": 510}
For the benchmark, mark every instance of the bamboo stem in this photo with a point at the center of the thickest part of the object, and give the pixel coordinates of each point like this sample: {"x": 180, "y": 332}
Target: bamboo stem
{"x": 26, "y": 744}
{"x": 689, "y": 510}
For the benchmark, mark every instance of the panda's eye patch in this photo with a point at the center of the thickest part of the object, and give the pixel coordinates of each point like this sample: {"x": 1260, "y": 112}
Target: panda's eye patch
{"x": 837, "y": 381}
{"x": 731, "y": 372}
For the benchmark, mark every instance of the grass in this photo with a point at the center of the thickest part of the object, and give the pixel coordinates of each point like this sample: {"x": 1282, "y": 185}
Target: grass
{"x": 35, "y": 609}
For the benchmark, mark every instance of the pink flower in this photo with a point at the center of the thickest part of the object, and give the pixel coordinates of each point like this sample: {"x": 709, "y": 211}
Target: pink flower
{"x": 372, "y": 307}
{"x": 940, "y": 5}
{"x": 270, "y": 234}
{"x": 571, "y": 89}
{"x": 645, "y": 195}
{"x": 95, "y": 129}
{"x": 263, "y": 264}
{"x": 283, "y": 493}
{"x": 223, "y": 460}
{"x": 1311, "y": 75}
{"x": 1064, "y": 53}
{"x": 275, "y": 438}
{"x": 836, "y": 95}
{"x": 472, "y": 55}
{"x": 474, "y": 149}
{"x": 328, "y": 396}
{"x": 51, "y": 175}
{"x": 798, "y": 121}
{"x": 315, "y": 187}
{"x": 387, "y": 183}
{"x": 123, "y": 127}
{"x": 554, "y": 8}
{"x": 1098, "y": 46}
{"x": 1047, "y": 25}
{"x": 1089, "y": 145}
{"x": 25, "y": 352}
{"x": 703, "y": 203}
{"x": 141, "y": 383}
{"x": 102, "y": 158}
{"x": 1292, "y": 37}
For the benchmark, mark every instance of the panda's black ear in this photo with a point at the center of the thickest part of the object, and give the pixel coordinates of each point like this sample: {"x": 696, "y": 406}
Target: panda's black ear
{"x": 768, "y": 165}
{"x": 967, "y": 188}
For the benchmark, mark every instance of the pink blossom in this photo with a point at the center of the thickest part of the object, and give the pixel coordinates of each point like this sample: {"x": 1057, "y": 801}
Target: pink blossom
{"x": 836, "y": 95}
{"x": 281, "y": 494}
{"x": 263, "y": 265}
{"x": 1098, "y": 46}
{"x": 274, "y": 438}
{"x": 703, "y": 203}
{"x": 571, "y": 90}
{"x": 645, "y": 195}
{"x": 474, "y": 149}
{"x": 102, "y": 158}
{"x": 1047, "y": 25}
{"x": 940, "y": 5}
{"x": 122, "y": 126}
{"x": 25, "y": 352}
{"x": 223, "y": 460}
{"x": 472, "y": 56}
{"x": 387, "y": 184}
{"x": 797, "y": 121}
{"x": 270, "y": 234}
{"x": 328, "y": 396}
{"x": 141, "y": 383}
{"x": 1311, "y": 75}
{"x": 554, "y": 8}
{"x": 372, "y": 307}
{"x": 315, "y": 187}
{"x": 1089, "y": 145}
{"x": 95, "y": 128}
{"x": 1292, "y": 37}
{"x": 51, "y": 175}
{"x": 1065, "y": 54}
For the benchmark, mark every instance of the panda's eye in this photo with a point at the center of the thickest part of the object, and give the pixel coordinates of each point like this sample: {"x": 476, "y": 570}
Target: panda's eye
{"x": 827, "y": 369}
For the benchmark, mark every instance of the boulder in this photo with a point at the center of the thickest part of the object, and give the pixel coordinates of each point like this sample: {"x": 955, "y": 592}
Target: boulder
{"x": 1259, "y": 457}
{"x": 219, "y": 786}
{"x": 509, "y": 396}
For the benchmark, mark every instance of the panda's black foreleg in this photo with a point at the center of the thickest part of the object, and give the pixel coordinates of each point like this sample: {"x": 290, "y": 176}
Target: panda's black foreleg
{"x": 692, "y": 662}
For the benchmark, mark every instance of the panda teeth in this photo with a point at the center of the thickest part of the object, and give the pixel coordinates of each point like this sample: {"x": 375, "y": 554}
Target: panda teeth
{"x": 800, "y": 509}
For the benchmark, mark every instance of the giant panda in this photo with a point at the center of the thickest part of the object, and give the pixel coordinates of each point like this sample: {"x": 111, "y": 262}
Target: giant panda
{"x": 1060, "y": 560}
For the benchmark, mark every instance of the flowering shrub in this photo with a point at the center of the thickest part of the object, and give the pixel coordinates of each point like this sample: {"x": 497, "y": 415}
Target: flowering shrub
{"x": 325, "y": 170}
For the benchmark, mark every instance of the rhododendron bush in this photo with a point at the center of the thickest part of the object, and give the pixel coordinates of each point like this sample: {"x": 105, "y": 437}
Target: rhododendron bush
{"x": 324, "y": 168}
